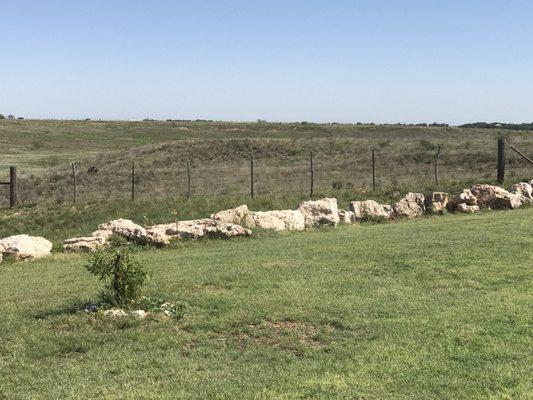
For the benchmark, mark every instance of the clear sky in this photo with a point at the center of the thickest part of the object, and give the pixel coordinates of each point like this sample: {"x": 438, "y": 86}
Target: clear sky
{"x": 347, "y": 61}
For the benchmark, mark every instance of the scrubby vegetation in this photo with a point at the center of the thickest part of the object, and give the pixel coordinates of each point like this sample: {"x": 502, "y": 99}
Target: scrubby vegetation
{"x": 122, "y": 273}
{"x": 219, "y": 157}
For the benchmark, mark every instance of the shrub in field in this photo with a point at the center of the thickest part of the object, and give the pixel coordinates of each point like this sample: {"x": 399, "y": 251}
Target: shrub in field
{"x": 121, "y": 271}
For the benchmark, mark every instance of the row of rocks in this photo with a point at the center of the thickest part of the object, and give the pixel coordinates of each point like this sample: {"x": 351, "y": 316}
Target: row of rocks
{"x": 412, "y": 205}
{"x": 309, "y": 213}
{"x": 158, "y": 235}
{"x": 226, "y": 224}
{"x": 237, "y": 221}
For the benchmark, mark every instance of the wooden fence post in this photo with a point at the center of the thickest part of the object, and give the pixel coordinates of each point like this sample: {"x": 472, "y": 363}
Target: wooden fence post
{"x": 12, "y": 187}
{"x": 252, "y": 174}
{"x": 188, "y": 179}
{"x": 373, "y": 170}
{"x": 501, "y": 160}
{"x": 312, "y": 171}
{"x": 75, "y": 183}
{"x": 529, "y": 160}
{"x": 437, "y": 166}
{"x": 133, "y": 181}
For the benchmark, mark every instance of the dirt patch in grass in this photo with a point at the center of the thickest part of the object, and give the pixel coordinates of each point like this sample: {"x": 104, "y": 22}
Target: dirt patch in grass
{"x": 287, "y": 335}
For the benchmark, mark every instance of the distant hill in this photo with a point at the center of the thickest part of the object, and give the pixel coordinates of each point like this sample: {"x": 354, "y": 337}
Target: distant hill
{"x": 500, "y": 125}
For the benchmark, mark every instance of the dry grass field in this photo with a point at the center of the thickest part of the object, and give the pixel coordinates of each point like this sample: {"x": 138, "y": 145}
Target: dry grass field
{"x": 219, "y": 154}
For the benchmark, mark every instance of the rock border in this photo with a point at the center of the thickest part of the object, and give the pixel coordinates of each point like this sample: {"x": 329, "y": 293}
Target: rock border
{"x": 236, "y": 222}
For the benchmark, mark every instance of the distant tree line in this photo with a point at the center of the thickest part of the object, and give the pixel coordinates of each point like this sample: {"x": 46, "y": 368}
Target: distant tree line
{"x": 10, "y": 116}
{"x": 500, "y": 125}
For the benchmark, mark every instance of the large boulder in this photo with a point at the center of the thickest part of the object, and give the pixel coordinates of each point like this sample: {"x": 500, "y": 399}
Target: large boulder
{"x": 410, "y": 206}
{"x": 199, "y": 228}
{"x": 133, "y": 232}
{"x": 436, "y": 202}
{"x": 370, "y": 210}
{"x": 240, "y": 216}
{"x": 346, "y": 217}
{"x": 524, "y": 192}
{"x": 494, "y": 197}
{"x": 320, "y": 212}
{"x": 465, "y": 197}
{"x": 25, "y": 247}
{"x": 85, "y": 244}
{"x": 290, "y": 220}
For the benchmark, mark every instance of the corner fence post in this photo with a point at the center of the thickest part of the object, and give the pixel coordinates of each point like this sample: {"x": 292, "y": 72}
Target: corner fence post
{"x": 501, "y": 160}
{"x": 12, "y": 187}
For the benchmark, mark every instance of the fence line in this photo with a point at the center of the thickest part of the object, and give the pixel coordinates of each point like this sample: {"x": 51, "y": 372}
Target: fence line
{"x": 259, "y": 175}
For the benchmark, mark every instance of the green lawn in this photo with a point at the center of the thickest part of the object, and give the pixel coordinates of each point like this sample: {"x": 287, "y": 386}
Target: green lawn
{"x": 424, "y": 309}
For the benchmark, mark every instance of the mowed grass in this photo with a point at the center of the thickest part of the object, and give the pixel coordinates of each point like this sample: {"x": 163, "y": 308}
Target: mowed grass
{"x": 424, "y": 309}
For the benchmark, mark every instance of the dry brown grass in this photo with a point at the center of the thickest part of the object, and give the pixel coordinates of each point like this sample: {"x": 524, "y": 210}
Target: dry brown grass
{"x": 219, "y": 157}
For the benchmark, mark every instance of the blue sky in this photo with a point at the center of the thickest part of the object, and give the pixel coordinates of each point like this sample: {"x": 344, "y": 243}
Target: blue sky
{"x": 345, "y": 61}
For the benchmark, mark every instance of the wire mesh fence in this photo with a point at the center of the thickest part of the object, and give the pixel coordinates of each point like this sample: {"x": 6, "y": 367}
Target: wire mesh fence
{"x": 89, "y": 180}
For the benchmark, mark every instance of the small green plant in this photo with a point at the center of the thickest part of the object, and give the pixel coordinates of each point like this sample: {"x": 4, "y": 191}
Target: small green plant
{"x": 158, "y": 304}
{"x": 121, "y": 271}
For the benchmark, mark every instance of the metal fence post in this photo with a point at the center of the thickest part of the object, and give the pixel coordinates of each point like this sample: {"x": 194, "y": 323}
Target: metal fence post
{"x": 437, "y": 166}
{"x": 373, "y": 170}
{"x": 501, "y": 160}
{"x": 133, "y": 181}
{"x": 252, "y": 174}
{"x": 188, "y": 179}
{"x": 12, "y": 187}
{"x": 312, "y": 170}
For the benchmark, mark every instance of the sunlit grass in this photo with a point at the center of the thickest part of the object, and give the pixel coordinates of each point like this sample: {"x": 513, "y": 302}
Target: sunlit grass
{"x": 430, "y": 308}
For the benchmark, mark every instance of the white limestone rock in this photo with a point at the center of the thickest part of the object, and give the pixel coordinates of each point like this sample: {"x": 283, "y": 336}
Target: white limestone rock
{"x": 25, "y": 247}
{"x": 320, "y": 212}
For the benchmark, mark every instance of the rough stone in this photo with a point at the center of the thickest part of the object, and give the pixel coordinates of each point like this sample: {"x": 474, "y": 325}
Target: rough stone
{"x": 524, "y": 191}
{"x": 199, "y": 228}
{"x": 494, "y": 197}
{"x": 240, "y": 216}
{"x": 279, "y": 220}
{"x": 320, "y": 212}
{"x": 465, "y": 197}
{"x": 133, "y": 232}
{"x": 25, "y": 247}
{"x": 346, "y": 217}
{"x": 115, "y": 312}
{"x": 140, "y": 314}
{"x": 436, "y": 202}
{"x": 370, "y": 210}
{"x": 465, "y": 208}
{"x": 106, "y": 234}
{"x": 83, "y": 244}
{"x": 410, "y": 206}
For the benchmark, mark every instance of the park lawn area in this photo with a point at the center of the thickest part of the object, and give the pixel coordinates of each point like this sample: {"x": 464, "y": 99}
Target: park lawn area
{"x": 431, "y": 308}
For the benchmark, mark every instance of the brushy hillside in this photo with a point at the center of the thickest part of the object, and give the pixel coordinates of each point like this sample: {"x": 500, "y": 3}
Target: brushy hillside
{"x": 219, "y": 157}
{"x": 421, "y": 309}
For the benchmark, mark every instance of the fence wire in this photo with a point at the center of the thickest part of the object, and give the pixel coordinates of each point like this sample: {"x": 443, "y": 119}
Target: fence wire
{"x": 271, "y": 175}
